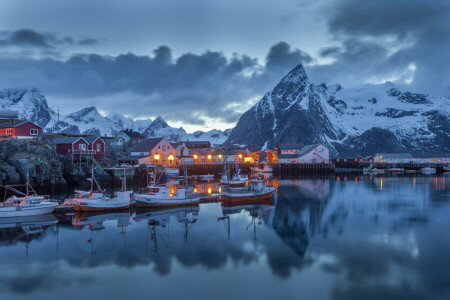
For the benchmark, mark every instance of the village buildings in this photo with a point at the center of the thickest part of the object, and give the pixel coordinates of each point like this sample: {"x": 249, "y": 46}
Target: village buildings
{"x": 128, "y": 137}
{"x": 152, "y": 151}
{"x": 20, "y": 130}
{"x": 80, "y": 146}
{"x": 297, "y": 154}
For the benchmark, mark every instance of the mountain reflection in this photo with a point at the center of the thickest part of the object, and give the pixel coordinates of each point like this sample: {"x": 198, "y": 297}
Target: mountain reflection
{"x": 367, "y": 237}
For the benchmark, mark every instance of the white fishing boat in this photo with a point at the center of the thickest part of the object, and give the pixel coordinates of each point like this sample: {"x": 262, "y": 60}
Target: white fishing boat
{"x": 428, "y": 170}
{"x": 166, "y": 196}
{"x": 377, "y": 171}
{"x": 30, "y": 204}
{"x": 257, "y": 190}
{"x": 86, "y": 195}
{"x": 100, "y": 202}
{"x": 237, "y": 180}
{"x": 172, "y": 171}
{"x": 446, "y": 168}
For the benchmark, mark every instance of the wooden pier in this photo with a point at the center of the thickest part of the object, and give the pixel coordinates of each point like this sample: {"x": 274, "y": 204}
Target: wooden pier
{"x": 283, "y": 169}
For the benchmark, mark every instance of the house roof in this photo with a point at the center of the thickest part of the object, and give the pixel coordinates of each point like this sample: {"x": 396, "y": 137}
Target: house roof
{"x": 395, "y": 155}
{"x": 290, "y": 146}
{"x": 91, "y": 139}
{"x": 431, "y": 155}
{"x": 146, "y": 145}
{"x": 16, "y": 123}
{"x": 307, "y": 148}
{"x": 66, "y": 140}
{"x": 133, "y": 134}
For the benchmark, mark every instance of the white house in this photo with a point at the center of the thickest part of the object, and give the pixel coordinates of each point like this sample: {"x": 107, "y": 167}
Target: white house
{"x": 309, "y": 154}
{"x": 127, "y": 135}
{"x": 290, "y": 148}
{"x": 152, "y": 151}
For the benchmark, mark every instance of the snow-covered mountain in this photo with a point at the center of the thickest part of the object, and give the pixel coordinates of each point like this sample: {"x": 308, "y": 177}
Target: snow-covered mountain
{"x": 32, "y": 105}
{"x": 364, "y": 120}
{"x": 160, "y": 128}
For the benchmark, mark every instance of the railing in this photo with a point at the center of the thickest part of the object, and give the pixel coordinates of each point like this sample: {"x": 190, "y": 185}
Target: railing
{"x": 87, "y": 152}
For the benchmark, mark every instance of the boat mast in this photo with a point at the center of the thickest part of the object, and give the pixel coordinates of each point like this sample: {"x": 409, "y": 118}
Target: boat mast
{"x": 28, "y": 180}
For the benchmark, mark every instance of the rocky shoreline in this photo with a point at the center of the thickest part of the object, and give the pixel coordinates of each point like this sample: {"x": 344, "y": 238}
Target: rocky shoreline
{"x": 47, "y": 169}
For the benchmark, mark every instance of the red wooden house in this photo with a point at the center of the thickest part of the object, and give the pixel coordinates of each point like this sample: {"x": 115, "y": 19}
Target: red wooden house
{"x": 20, "y": 130}
{"x": 90, "y": 146}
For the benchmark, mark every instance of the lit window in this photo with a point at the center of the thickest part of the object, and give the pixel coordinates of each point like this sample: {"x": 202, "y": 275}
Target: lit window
{"x": 195, "y": 156}
{"x": 156, "y": 156}
{"x": 209, "y": 156}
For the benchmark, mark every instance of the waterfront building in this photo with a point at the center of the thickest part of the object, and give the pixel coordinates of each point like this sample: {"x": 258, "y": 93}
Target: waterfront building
{"x": 82, "y": 146}
{"x": 158, "y": 151}
{"x": 7, "y": 116}
{"x": 19, "y": 130}
{"x": 289, "y": 148}
{"x": 309, "y": 154}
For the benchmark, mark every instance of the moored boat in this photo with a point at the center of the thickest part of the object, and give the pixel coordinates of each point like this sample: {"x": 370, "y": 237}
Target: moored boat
{"x": 377, "y": 171}
{"x": 396, "y": 170}
{"x": 172, "y": 171}
{"x": 428, "y": 170}
{"x": 257, "y": 190}
{"x": 446, "y": 168}
{"x": 165, "y": 196}
{"x": 30, "y": 204}
{"x": 100, "y": 202}
{"x": 262, "y": 168}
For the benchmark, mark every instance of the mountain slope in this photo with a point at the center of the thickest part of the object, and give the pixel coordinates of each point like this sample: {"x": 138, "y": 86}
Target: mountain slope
{"x": 364, "y": 120}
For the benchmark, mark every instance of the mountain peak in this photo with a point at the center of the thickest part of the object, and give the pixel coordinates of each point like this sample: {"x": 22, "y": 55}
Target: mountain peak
{"x": 296, "y": 75}
{"x": 159, "y": 122}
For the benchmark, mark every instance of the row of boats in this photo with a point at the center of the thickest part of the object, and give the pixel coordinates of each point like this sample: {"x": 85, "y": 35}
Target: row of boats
{"x": 236, "y": 188}
{"x": 426, "y": 170}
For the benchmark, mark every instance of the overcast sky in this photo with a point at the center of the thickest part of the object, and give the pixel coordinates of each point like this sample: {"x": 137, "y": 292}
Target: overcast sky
{"x": 202, "y": 63}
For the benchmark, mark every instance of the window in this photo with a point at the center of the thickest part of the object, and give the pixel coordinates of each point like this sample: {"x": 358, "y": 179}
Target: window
{"x": 164, "y": 148}
{"x": 33, "y": 132}
{"x": 99, "y": 147}
{"x": 82, "y": 146}
{"x": 9, "y": 131}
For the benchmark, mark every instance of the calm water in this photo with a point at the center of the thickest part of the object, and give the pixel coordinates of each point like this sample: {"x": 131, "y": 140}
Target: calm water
{"x": 349, "y": 238}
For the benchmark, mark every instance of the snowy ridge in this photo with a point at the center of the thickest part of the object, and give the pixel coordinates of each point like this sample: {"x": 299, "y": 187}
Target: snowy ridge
{"x": 357, "y": 121}
{"x": 32, "y": 105}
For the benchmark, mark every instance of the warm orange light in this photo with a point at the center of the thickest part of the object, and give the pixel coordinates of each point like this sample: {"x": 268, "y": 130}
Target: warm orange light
{"x": 195, "y": 156}
{"x": 209, "y": 156}
{"x": 209, "y": 191}
{"x": 220, "y": 156}
{"x": 156, "y": 156}
{"x": 170, "y": 156}
{"x": 240, "y": 155}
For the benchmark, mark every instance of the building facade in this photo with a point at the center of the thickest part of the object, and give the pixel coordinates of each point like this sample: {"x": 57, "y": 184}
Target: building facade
{"x": 20, "y": 130}
{"x": 85, "y": 146}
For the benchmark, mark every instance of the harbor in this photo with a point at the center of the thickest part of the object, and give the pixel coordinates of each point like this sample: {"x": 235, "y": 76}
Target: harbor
{"x": 308, "y": 219}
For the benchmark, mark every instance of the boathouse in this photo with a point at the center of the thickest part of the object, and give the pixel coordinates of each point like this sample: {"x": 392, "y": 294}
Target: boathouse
{"x": 8, "y": 116}
{"x": 309, "y": 154}
{"x": 83, "y": 146}
{"x": 289, "y": 148}
{"x": 19, "y": 130}
{"x": 156, "y": 151}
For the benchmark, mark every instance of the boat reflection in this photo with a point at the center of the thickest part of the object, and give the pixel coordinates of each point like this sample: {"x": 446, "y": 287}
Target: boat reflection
{"x": 158, "y": 219}
{"x": 24, "y": 229}
{"x": 259, "y": 210}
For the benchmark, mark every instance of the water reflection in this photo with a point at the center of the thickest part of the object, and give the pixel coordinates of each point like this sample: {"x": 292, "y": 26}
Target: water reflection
{"x": 356, "y": 238}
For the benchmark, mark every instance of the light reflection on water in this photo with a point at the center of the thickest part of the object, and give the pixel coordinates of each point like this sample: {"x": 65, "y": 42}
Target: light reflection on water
{"x": 343, "y": 238}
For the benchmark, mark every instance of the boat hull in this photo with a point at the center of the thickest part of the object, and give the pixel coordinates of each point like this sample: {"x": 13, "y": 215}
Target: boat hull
{"x": 93, "y": 208}
{"x": 166, "y": 203}
{"x": 250, "y": 197}
{"x": 11, "y": 212}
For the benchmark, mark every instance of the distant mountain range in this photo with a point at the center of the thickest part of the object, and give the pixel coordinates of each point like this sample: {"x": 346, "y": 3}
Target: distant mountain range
{"x": 32, "y": 105}
{"x": 357, "y": 121}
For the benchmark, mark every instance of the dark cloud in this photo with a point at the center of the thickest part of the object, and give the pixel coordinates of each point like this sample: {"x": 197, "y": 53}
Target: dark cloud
{"x": 403, "y": 41}
{"x": 181, "y": 89}
{"x": 32, "y": 39}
